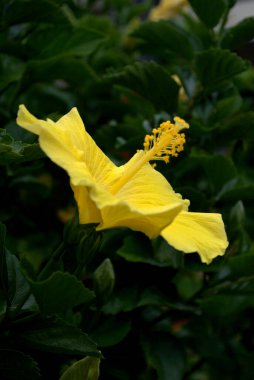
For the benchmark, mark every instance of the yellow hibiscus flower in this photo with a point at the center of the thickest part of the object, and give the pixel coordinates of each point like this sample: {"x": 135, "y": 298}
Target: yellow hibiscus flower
{"x": 133, "y": 195}
{"x": 167, "y": 9}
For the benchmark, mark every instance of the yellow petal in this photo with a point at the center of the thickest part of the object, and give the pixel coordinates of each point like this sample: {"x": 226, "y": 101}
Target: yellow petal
{"x": 56, "y": 144}
{"x": 146, "y": 202}
{"x": 167, "y": 9}
{"x": 26, "y": 120}
{"x": 148, "y": 189}
{"x": 67, "y": 144}
{"x": 67, "y": 141}
{"x": 88, "y": 212}
{"x": 123, "y": 215}
{"x": 96, "y": 161}
{"x": 116, "y": 211}
{"x": 197, "y": 232}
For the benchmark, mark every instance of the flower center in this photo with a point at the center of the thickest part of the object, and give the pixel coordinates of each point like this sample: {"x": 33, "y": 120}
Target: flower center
{"x": 164, "y": 142}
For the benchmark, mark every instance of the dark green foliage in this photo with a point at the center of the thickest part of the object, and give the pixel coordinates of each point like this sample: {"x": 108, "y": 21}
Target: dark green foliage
{"x": 72, "y": 298}
{"x": 209, "y": 12}
{"x": 55, "y": 335}
{"x": 151, "y": 82}
{"x": 63, "y": 287}
{"x": 216, "y": 65}
{"x": 165, "y": 38}
{"x": 239, "y": 34}
{"x": 25, "y": 366}
{"x": 164, "y": 354}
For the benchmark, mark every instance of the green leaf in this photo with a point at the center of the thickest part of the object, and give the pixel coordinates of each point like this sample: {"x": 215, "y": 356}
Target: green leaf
{"x": 104, "y": 279}
{"x": 71, "y": 69}
{"x": 231, "y": 3}
{"x": 239, "y": 34}
{"x": 241, "y": 266}
{"x": 225, "y": 307}
{"x": 214, "y": 66}
{"x": 241, "y": 126}
{"x": 219, "y": 169}
{"x": 63, "y": 42}
{"x": 163, "y": 37}
{"x": 60, "y": 292}
{"x": 150, "y": 81}
{"x": 56, "y": 335}
{"x": 3, "y": 306}
{"x": 11, "y": 70}
{"x": 238, "y": 215}
{"x": 166, "y": 255}
{"x": 188, "y": 283}
{"x": 209, "y": 12}
{"x": 44, "y": 11}
{"x": 131, "y": 298}
{"x": 123, "y": 300}
{"x": 18, "y": 287}
{"x": 235, "y": 190}
{"x": 16, "y": 365}
{"x": 165, "y": 354}
{"x": 111, "y": 331}
{"x": 31, "y": 152}
{"x": 3, "y": 267}
{"x": 137, "y": 248}
{"x": 12, "y": 151}
{"x": 199, "y": 201}
{"x": 228, "y": 106}
{"x": 84, "y": 369}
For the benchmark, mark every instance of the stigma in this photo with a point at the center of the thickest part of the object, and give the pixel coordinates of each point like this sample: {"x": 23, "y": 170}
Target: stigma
{"x": 165, "y": 141}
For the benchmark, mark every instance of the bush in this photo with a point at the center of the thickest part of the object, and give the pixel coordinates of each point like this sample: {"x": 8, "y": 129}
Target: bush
{"x": 75, "y": 301}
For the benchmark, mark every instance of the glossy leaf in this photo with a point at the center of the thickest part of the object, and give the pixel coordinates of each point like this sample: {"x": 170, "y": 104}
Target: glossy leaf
{"x": 17, "y": 365}
{"x": 64, "y": 42}
{"x": 11, "y": 70}
{"x": 241, "y": 265}
{"x": 151, "y": 82}
{"x": 10, "y": 150}
{"x": 188, "y": 284}
{"x": 131, "y": 298}
{"x": 165, "y": 355}
{"x": 18, "y": 287}
{"x": 209, "y": 12}
{"x": 84, "y": 369}
{"x": 15, "y": 151}
{"x": 234, "y": 190}
{"x": 241, "y": 126}
{"x": 221, "y": 65}
{"x": 3, "y": 267}
{"x": 139, "y": 250}
{"x": 57, "y": 336}
{"x": 238, "y": 34}
{"x": 222, "y": 306}
{"x": 27, "y": 10}
{"x": 104, "y": 279}
{"x": 162, "y": 37}
{"x": 3, "y": 306}
{"x": 111, "y": 331}
{"x": 219, "y": 169}
{"x": 59, "y": 293}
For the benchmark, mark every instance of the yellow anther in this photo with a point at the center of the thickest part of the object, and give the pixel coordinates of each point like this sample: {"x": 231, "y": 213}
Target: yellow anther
{"x": 166, "y": 141}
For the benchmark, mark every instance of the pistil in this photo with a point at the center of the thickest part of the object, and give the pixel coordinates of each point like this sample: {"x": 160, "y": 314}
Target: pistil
{"x": 164, "y": 142}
